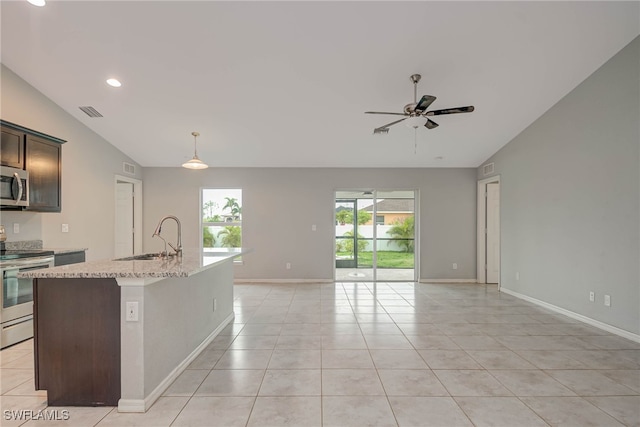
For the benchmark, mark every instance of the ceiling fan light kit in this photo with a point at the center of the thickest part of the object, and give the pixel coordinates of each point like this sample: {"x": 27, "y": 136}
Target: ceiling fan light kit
{"x": 415, "y": 121}
{"x": 415, "y": 114}
{"x": 195, "y": 162}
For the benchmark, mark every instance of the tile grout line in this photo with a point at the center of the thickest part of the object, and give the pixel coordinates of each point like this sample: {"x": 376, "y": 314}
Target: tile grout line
{"x": 255, "y": 400}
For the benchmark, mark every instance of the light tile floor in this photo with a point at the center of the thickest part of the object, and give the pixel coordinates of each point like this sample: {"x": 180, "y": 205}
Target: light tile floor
{"x": 386, "y": 354}
{"x": 366, "y": 274}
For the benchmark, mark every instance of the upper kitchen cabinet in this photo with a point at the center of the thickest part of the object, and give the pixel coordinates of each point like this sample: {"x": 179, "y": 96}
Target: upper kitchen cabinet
{"x": 43, "y": 161}
{"x": 12, "y": 148}
{"x": 40, "y": 155}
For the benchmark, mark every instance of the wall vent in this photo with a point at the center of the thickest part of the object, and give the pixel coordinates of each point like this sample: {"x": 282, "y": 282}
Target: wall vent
{"x": 488, "y": 168}
{"x": 129, "y": 168}
{"x": 91, "y": 112}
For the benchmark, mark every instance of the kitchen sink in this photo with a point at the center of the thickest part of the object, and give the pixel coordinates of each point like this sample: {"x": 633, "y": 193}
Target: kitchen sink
{"x": 143, "y": 257}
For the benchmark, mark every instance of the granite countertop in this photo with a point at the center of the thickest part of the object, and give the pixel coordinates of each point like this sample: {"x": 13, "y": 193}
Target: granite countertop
{"x": 191, "y": 262}
{"x": 37, "y": 245}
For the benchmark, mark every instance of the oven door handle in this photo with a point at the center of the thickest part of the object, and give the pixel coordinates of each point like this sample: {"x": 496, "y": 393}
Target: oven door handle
{"x": 40, "y": 262}
{"x": 16, "y": 178}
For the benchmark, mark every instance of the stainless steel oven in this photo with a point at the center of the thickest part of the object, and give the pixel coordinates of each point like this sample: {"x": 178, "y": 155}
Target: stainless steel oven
{"x": 14, "y": 187}
{"x": 16, "y": 313}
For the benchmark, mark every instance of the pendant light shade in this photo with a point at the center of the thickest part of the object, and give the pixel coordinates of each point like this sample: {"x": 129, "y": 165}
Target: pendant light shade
{"x": 195, "y": 163}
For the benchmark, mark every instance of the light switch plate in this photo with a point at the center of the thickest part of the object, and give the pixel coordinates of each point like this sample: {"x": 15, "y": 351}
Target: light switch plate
{"x": 65, "y": 228}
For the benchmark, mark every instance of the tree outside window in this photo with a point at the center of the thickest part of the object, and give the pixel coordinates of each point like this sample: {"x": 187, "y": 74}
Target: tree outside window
{"x": 221, "y": 218}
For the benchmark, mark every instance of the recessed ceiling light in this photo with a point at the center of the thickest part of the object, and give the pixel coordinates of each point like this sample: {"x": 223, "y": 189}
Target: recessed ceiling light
{"x": 114, "y": 82}
{"x": 38, "y": 3}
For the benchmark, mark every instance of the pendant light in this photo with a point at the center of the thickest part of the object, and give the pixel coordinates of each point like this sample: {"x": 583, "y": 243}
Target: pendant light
{"x": 195, "y": 163}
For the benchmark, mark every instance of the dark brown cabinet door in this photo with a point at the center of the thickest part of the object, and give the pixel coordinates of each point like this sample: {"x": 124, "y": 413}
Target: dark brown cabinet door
{"x": 43, "y": 161}
{"x": 12, "y": 148}
{"x": 77, "y": 341}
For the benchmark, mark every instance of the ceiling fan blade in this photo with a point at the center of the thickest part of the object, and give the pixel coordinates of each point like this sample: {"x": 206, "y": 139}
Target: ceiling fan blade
{"x": 431, "y": 124}
{"x": 424, "y": 103}
{"x": 383, "y": 129}
{"x": 380, "y": 112}
{"x": 456, "y": 110}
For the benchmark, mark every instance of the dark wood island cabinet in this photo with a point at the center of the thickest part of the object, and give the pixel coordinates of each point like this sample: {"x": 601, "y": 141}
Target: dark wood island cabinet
{"x": 88, "y": 353}
{"x": 77, "y": 345}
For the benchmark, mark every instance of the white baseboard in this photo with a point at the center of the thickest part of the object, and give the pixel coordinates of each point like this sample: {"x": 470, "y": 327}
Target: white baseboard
{"x": 130, "y": 405}
{"x": 283, "y": 281}
{"x": 598, "y": 324}
{"x": 240, "y": 281}
{"x": 447, "y": 281}
{"x": 142, "y": 405}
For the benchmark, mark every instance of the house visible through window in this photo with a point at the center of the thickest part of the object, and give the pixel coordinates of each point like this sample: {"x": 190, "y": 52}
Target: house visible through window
{"x": 221, "y": 218}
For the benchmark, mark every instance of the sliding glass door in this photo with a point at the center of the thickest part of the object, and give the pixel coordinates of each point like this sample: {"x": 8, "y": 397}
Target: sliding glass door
{"x": 375, "y": 235}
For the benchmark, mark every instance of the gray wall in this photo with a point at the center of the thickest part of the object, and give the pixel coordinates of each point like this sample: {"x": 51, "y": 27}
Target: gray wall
{"x": 191, "y": 321}
{"x": 281, "y": 204}
{"x": 89, "y": 166}
{"x": 570, "y": 198}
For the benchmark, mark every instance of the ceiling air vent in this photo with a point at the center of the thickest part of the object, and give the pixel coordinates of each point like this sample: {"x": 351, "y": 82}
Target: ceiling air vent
{"x": 129, "y": 168}
{"x": 488, "y": 168}
{"x": 91, "y": 112}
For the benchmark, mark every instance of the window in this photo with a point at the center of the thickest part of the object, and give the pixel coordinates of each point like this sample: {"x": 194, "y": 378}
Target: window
{"x": 379, "y": 219}
{"x": 221, "y": 218}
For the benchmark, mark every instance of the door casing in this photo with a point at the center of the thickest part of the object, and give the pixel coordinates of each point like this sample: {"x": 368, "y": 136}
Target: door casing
{"x": 481, "y": 274}
{"x": 137, "y": 210}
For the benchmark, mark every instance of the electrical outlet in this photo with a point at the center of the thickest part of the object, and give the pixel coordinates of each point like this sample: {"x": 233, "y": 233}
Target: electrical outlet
{"x": 592, "y": 296}
{"x": 65, "y": 228}
{"x": 288, "y": 266}
{"x": 454, "y": 266}
{"x": 313, "y": 227}
{"x": 607, "y": 300}
{"x": 215, "y": 305}
{"x": 16, "y": 228}
{"x": 132, "y": 311}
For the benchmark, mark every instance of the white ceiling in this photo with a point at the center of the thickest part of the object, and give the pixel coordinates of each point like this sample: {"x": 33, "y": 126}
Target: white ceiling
{"x": 286, "y": 83}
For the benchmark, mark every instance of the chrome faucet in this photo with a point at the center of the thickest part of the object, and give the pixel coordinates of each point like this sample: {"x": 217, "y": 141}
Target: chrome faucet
{"x": 178, "y": 248}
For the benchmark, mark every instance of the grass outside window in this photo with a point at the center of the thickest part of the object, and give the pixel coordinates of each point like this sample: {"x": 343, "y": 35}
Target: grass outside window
{"x": 386, "y": 259}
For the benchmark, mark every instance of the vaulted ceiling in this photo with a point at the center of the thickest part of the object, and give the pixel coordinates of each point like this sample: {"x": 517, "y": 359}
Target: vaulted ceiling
{"x": 285, "y": 84}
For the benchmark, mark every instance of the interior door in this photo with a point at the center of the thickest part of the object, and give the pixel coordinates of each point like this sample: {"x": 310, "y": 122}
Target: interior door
{"x": 493, "y": 232}
{"x": 124, "y": 220}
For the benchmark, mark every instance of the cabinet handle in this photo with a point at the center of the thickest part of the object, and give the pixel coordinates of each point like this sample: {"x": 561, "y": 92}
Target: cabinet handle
{"x": 19, "y": 181}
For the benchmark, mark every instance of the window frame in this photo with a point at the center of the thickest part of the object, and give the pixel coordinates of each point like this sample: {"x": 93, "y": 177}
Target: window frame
{"x": 223, "y": 223}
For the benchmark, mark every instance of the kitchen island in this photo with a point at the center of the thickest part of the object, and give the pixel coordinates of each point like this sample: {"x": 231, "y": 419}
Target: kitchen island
{"x": 119, "y": 332}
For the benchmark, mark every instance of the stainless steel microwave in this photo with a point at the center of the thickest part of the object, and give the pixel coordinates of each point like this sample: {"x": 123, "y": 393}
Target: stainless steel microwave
{"x": 14, "y": 187}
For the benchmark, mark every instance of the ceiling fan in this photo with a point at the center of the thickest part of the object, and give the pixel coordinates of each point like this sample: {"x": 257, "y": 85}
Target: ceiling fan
{"x": 415, "y": 114}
